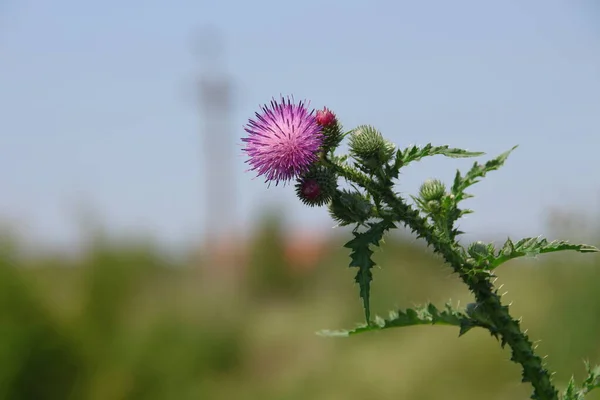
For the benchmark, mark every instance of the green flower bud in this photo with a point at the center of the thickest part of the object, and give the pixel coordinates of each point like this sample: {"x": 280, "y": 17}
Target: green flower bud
{"x": 433, "y": 206}
{"x": 317, "y": 186}
{"x": 432, "y": 190}
{"x": 478, "y": 250}
{"x": 368, "y": 145}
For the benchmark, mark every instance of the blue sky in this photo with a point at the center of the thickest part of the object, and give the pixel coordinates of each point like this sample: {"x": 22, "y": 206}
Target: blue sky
{"x": 97, "y": 103}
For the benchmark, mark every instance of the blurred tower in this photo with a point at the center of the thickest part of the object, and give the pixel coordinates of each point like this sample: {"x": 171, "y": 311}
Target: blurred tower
{"x": 215, "y": 91}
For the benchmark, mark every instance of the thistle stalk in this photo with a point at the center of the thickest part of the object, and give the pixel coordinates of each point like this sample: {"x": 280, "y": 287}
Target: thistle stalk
{"x": 307, "y": 148}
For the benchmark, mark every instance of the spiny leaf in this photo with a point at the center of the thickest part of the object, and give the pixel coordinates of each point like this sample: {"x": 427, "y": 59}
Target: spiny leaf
{"x": 416, "y": 153}
{"x": 570, "y": 392}
{"x": 426, "y": 315}
{"x": 461, "y": 183}
{"x": 531, "y": 247}
{"x": 477, "y": 171}
{"x": 361, "y": 258}
{"x": 591, "y": 382}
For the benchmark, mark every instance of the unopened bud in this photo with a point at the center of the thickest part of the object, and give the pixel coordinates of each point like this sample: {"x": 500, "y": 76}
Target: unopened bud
{"x": 317, "y": 186}
{"x": 433, "y": 206}
{"x": 325, "y": 117}
{"x": 331, "y": 129}
{"x": 368, "y": 146}
{"x": 478, "y": 250}
{"x": 366, "y": 142}
{"x": 432, "y": 190}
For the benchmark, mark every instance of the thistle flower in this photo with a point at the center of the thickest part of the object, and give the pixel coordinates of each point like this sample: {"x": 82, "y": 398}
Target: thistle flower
{"x": 284, "y": 140}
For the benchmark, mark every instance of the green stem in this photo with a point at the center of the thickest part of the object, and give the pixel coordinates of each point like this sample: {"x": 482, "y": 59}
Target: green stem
{"x": 503, "y": 325}
{"x": 488, "y": 299}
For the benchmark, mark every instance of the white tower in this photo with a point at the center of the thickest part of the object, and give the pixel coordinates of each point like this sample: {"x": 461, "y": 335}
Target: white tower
{"x": 215, "y": 95}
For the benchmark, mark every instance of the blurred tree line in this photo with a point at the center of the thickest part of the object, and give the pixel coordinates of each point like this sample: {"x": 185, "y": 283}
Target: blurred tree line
{"x": 125, "y": 321}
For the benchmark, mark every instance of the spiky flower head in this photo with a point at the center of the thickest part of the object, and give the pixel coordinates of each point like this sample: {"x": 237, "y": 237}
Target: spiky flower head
{"x": 479, "y": 250}
{"x": 368, "y": 145}
{"x": 366, "y": 142}
{"x": 432, "y": 189}
{"x": 317, "y": 186}
{"x": 283, "y": 141}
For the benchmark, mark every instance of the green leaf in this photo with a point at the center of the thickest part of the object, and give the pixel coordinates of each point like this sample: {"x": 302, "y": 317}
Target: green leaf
{"x": 461, "y": 183}
{"x": 531, "y": 247}
{"x": 426, "y": 315}
{"x": 477, "y": 171}
{"x": 361, "y": 258}
{"x": 416, "y": 153}
{"x": 570, "y": 392}
{"x": 591, "y": 382}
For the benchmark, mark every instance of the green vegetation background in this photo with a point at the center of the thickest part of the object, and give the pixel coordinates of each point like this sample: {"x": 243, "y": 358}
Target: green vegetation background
{"x": 124, "y": 321}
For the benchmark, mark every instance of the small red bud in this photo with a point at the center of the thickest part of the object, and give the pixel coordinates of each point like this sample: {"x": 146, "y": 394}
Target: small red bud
{"x": 311, "y": 189}
{"x": 317, "y": 186}
{"x": 325, "y": 117}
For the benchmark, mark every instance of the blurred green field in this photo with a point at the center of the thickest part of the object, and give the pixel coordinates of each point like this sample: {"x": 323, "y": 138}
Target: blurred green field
{"x": 126, "y": 321}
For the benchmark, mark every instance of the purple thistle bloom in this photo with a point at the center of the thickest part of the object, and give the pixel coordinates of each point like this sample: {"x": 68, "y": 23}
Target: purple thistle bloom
{"x": 284, "y": 140}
